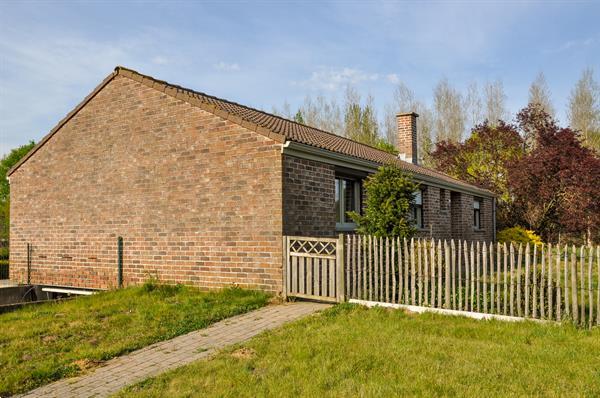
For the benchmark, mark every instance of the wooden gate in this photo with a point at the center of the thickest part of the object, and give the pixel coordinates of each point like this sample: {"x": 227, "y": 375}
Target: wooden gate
{"x": 313, "y": 268}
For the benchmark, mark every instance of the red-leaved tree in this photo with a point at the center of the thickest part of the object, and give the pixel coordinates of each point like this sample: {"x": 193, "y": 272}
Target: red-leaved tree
{"x": 556, "y": 185}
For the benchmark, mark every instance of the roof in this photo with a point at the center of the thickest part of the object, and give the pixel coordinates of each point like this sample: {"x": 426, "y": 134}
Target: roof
{"x": 273, "y": 126}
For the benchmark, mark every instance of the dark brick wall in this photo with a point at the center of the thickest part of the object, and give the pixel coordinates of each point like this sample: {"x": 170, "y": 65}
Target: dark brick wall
{"x": 197, "y": 199}
{"x": 308, "y": 197}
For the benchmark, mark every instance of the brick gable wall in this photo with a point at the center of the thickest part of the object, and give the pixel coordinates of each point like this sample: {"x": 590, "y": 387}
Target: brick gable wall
{"x": 197, "y": 199}
{"x": 308, "y": 198}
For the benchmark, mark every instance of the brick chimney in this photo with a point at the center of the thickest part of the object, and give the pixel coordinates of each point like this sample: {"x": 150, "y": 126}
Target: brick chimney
{"x": 407, "y": 136}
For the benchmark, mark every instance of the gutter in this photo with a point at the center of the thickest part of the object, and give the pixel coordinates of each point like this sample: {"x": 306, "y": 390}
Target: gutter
{"x": 309, "y": 152}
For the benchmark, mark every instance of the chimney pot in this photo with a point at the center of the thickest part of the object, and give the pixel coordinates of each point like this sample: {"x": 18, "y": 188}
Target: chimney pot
{"x": 407, "y": 136}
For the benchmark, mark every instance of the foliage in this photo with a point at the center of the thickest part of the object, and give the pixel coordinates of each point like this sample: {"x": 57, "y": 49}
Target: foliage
{"x": 6, "y": 163}
{"x": 484, "y": 160}
{"x": 519, "y": 235}
{"x": 353, "y": 351}
{"x": 298, "y": 117}
{"x": 584, "y": 109}
{"x": 556, "y": 185}
{"x": 50, "y": 341}
{"x": 360, "y": 120}
{"x": 387, "y": 147}
{"x": 390, "y": 193}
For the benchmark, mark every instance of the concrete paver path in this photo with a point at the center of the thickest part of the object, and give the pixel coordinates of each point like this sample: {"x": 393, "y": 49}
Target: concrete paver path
{"x": 161, "y": 357}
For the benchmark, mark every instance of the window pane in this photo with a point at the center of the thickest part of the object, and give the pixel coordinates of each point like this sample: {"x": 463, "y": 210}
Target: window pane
{"x": 337, "y": 200}
{"x": 420, "y": 217}
{"x": 349, "y": 199}
{"x": 476, "y": 204}
{"x": 418, "y": 198}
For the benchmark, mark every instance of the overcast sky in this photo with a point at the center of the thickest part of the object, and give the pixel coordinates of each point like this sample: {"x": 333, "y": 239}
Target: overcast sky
{"x": 52, "y": 54}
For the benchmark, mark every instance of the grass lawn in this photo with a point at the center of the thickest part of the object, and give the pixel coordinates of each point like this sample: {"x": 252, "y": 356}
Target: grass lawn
{"x": 354, "y": 351}
{"x": 46, "y": 342}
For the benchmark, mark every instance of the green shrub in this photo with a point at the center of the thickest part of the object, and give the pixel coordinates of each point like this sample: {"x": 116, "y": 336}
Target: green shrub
{"x": 390, "y": 193}
{"x": 3, "y": 253}
{"x": 519, "y": 235}
{"x": 4, "y": 269}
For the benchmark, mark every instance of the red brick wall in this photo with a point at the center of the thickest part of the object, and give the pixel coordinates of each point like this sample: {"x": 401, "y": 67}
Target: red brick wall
{"x": 308, "y": 197}
{"x": 449, "y": 215}
{"x": 196, "y": 198}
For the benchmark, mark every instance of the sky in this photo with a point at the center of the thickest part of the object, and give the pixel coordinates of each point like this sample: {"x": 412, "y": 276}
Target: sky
{"x": 265, "y": 53}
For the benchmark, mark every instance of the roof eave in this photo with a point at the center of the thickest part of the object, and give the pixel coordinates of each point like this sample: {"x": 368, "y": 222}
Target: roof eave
{"x": 310, "y": 152}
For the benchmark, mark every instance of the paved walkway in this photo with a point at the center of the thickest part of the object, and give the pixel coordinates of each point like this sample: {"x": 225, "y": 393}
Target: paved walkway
{"x": 161, "y": 357}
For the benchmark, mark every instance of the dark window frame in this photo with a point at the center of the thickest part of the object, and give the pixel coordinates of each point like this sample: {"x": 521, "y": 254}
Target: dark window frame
{"x": 417, "y": 213}
{"x": 343, "y": 221}
{"x": 477, "y": 208}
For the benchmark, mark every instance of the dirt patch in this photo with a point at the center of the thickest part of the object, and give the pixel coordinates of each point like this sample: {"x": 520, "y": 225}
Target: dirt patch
{"x": 87, "y": 364}
{"x": 49, "y": 338}
{"x": 243, "y": 353}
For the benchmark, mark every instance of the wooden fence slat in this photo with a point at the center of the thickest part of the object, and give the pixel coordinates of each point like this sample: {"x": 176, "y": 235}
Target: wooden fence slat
{"x": 453, "y": 272}
{"x": 309, "y": 275}
{"x": 419, "y": 273}
{"x": 590, "y": 294}
{"x": 400, "y": 269}
{"x": 350, "y": 252}
{"x": 549, "y": 288}
{"x": 567, "y": 307}
{"x": 387, "y": 270}
{"x": 558, "y": 288}
{"x": 413, "y": 273}
{"x": 512, "y": 280}
{"x": 484, "y": 258}
{"x": 377, "y": 287}
{"x": 542, "y": 276}
{"x": 294, "y": 274}
{"x": 381, "y": 276}
{"x": 598, "y": 287}
{"x": 498, "y": 275}
{"x": 459, "y": 266}
{"x": 370, "y": 268}
{"x": 426, "y": 271}
{"x": 393, "y": 248}
{"x": 363, "y": 265}
{"x": 492, "y": 279}
{"x": 468, "y": 277}
{"x": 477, "y": 277}
{"x": 582, "y": 285}
{"x": 439, "y": 272}
{"x": 575, "y": 311}
{"x": 447, "y": 274}
{"x": 519, "y": 273}
{"x": 406, "y": 270}
{"x": 505, "y": 279}
{"x": 432, "y": 262}
{"x": 534, "y": 276}
{"x": 527, "y": 254}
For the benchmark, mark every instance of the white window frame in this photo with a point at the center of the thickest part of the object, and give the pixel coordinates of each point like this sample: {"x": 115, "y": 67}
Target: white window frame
{"x": 413, "y": 210}
{"x": 345, "y": 225}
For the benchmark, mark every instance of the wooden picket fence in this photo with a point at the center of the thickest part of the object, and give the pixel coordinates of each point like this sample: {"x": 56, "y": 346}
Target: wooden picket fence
{"x": 541, "y": 282}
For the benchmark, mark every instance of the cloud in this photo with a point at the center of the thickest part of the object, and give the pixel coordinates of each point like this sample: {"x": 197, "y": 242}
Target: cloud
{"x": 226, "y": 67}
{"x": 331, "y": 79}
{"x": 160, "y": 60}
{"x": 393, "y": 78}
{"x": 573, "y": 44}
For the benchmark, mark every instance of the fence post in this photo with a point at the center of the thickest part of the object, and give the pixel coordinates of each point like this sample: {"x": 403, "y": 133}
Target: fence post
{"x": 120, "y": 261}
{"x": 28, "y": 264}
{"x": 284, "y": 266}
{"x": 340, "y": 269}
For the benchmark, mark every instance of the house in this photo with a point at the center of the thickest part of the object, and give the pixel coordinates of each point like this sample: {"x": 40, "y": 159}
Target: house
{"x": 200, "y": 189}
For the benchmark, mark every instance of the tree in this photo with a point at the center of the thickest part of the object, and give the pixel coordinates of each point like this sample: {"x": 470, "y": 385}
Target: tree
{"x": 584, "y": 109}
{"x": 539, "y": 93}
{"x": 404, "y": 102}
{"x": 390, "y": 193}
{"x": 483, "y": 160}
{"x": 6, "y": 163}
{"x": 360, "y": 121}
{"x": 556, "y": 185}
{"x": 473, "y": 106}
{"x": 495, "y": 102}
{"x": 449, "y": 112}
{"x": 298, "y": 117}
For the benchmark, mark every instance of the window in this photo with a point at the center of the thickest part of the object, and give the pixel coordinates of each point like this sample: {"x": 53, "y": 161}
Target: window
{"x": 477, "y": 213}
{"x": 347, "y": 198}
{"x": 417, "y": 209}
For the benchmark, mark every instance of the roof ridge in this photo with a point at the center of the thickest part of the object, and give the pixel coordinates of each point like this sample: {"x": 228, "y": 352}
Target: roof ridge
{"x": 119, "y": 67}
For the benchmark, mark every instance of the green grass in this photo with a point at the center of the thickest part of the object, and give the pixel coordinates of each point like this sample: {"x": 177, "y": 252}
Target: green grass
{"x": 46, "y": 342}
{"x": 354, "y": 351}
